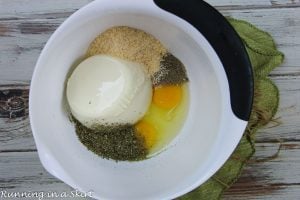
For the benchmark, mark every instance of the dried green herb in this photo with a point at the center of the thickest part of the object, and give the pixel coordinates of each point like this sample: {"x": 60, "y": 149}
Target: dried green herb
{"x": 117, "y": 142}
{"x": 172, "y": 72}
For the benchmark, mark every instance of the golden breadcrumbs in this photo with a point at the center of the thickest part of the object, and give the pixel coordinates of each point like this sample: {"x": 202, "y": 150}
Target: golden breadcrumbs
{"x": 130, "y": 44}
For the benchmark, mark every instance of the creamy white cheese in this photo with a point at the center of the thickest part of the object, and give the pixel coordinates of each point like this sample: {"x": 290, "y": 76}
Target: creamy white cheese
{"x": 104, "y": 89}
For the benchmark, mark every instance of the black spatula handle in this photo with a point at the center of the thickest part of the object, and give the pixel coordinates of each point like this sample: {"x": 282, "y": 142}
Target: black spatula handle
{"x": 227, "y": 44}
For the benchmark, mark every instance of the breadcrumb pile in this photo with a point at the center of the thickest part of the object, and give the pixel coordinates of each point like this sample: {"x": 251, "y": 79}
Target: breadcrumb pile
{"x": 130, "y": 44}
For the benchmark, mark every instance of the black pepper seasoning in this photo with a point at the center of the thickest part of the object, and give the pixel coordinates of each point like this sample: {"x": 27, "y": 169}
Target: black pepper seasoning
{"x": 172, "y": 72}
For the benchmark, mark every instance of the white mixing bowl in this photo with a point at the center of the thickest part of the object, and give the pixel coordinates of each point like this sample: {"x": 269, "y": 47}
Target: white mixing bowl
{"x": 207, "y": 139}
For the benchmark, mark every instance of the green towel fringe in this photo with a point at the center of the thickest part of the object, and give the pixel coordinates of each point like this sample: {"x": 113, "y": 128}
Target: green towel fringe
{"x": 264, "y": 57}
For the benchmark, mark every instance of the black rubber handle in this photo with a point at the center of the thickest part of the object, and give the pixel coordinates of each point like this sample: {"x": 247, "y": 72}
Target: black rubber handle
{"x": 227, "y": 44}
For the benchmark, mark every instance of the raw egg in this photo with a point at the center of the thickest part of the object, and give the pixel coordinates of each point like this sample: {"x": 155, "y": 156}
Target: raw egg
{"x": 168, "y": 96}
{"x": 148, "y": 132}
{"x": 165, "y": 117}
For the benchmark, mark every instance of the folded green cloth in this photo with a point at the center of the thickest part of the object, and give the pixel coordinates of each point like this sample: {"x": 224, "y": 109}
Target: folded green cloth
{"x": 264, "y": 57}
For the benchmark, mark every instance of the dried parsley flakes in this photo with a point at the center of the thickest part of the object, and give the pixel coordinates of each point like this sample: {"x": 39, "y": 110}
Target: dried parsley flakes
{"x": 117, "y": 142}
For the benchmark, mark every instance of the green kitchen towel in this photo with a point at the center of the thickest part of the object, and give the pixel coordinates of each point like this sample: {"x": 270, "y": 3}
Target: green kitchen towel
{"x": 264, "y": 57}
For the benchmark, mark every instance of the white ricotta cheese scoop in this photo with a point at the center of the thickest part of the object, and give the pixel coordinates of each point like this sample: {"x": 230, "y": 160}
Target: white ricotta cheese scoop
{"x": 106, "y": 90}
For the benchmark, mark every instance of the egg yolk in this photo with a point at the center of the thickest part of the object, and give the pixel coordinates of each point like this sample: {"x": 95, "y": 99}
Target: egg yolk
{"x": 148, "y": 132}
{"x": 167, "y": 97}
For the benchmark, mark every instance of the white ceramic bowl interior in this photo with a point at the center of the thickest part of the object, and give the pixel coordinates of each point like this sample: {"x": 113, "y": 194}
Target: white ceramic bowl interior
{"x": 209, "y": 136}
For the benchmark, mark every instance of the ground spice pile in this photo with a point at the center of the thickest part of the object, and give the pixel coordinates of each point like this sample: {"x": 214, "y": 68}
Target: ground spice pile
{"x": 171, "y": 72}
{"x": 118, "y": 142}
